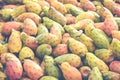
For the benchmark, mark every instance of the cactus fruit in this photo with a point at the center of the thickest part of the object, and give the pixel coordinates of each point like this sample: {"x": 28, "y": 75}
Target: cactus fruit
{"x": 85, "y": 71}
{"x": 94, "y": 61}
{"x": 56, "y": 16}
{"x": 30, "y": 15}
{"x": 95, "y": 74}
{"x": 43, "y": 3}
{"x": 41, "y": 29}
{"x": 97, "y": 35}
{"x": 28, "y": 41}
{"x": 77, "y": 47}
{"x": 60, "y": 49}
{"x": 105, "y": 55}
{"x": 70, "y": 19}
{"x": 30, "y": 27}
{"x": 87, "y": 41}
{"x": 109, "y": 75}
{"x": 50, "y": 68}
{"x": 3, "y": 48}
{"x": 88, "y": 5}
{"x": 59, "y": 6}
{"x": 6, "y": 13}
{"x": 70, "y": 72}
{"x": 14, "y": 69}
{"x": 48, "y": 78}
{"x": 114, "y": 66}
{"x": 74, "y": 2}
{"x": 47, "y": 38}
{"x": 18, "y": 10}
{"x": 3, "y": 76}
{"x": 14, "y": 42}
{"x": 43, "y": 49}
{"x": 65, "y": 38}
{"x": 32, "y": 69}
{"x": 8, "y": 26}
{"x": 26, "y": 52}
{"x": 33, "y": 7}
{"x": 110, "y": 25}
{"x": 116, "y": 34}
{"x": 115, "y": 47}
{"x": 72, "y": 59}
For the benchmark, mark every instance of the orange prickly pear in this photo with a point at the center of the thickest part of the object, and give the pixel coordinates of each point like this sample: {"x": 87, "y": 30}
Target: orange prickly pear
{"x": 30, "y": 27}
{"x": 32, "y": 69}
{"x": 60, "y": 49}
{"x": 70, "y": 72}
{"x": 14, "y": 42}
{"x": 116, "y": 34}
{"x": 110, "y": 25}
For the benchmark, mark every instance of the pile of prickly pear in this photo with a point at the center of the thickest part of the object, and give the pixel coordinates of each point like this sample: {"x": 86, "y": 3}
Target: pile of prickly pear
{"x": 59, "y": 39}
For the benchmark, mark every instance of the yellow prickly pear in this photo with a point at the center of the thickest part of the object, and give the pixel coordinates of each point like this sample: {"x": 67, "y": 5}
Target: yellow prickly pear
{"x": 77, "y": 47}
{"x": 94, "y": 61}
{"x": 70, "y": 72}
{"x": 14, "y": 42}
{"x": 26, "y": 52}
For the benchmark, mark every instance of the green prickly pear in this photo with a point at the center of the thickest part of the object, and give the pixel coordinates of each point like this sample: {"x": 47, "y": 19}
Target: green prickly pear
{"x": 6, "y": 13}
{"x": 30, "y": 27}
{"x": 26, "y": 52}
{"x": 14, "y": 42}
{"x": 105, "y": 55}
{"x": 56, "y": 16}
{"x": 18, "y": 10}
{"x": 50, "y": 68}
{"x": 72, "y": 31}
{"x": 109, "y": 75}
{"x": 87, "y": 41}
{"x": 43, "y": 49}
{"x": 97, "y": 36}
{"x": 47, "y": 38}
{"x": 48, "y": 78}
{"x": 77, "y": 47}
{"x": 33, "y": 7}
{"x": 28, "y": 41}
{"x": 115, "y": 47}
{"x": 94, "y": 61}
{"x": 95, "y": 74}
{"x": 41, "y": 29}
{"x": 72, "y": 59}
{"x": 70, "y": 72}
{"x": 74, "y": 10}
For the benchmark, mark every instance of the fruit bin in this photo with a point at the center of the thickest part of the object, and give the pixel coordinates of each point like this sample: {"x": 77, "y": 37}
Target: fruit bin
{"x": 59, "y": 39}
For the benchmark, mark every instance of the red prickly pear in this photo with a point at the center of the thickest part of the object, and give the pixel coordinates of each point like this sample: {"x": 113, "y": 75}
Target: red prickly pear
{"x": 65, "y": 38}
{"x": 70, "y": 72}
{"x": 110, "y": 25}
{"x": 14, "y": 69}
{"x": 115, "y": 66}
{"x": 8, "y": 26}
{"x": 70, "y": 19}
{"x": 32, "y": 69}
